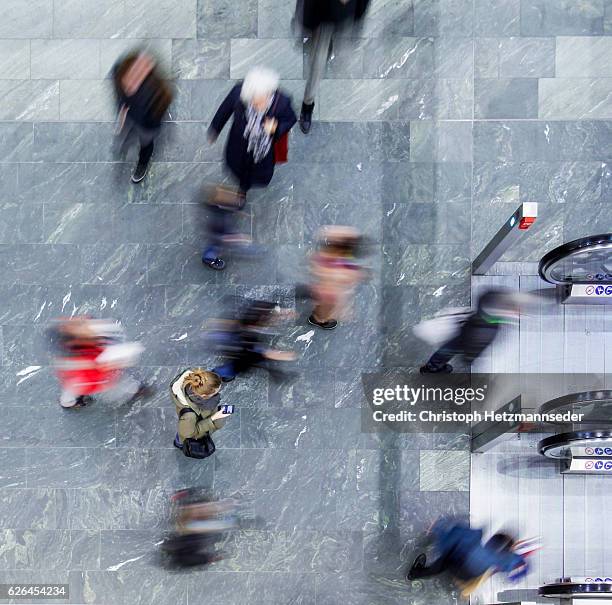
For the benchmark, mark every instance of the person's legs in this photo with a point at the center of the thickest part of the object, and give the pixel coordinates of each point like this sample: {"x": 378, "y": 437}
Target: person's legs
{"x": 320, "y": 48}
{"x": 68, "y": 399}
{"x": 126, "y": 389}
{"x": 438, "y": 363}
{"x": 144, "y": 155}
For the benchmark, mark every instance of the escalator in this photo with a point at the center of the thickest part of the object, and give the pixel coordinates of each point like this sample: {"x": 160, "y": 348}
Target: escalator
{"x": 581, "y": 270}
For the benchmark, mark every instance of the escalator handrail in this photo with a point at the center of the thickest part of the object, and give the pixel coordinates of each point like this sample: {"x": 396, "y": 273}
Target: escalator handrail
{"x": 568, "y": 589}
{"x": 557, "y": 254}
{"x": 567, "y": 439}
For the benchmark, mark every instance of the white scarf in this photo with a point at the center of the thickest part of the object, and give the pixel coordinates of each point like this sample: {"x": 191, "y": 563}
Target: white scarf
{"x": 259, "y": 141}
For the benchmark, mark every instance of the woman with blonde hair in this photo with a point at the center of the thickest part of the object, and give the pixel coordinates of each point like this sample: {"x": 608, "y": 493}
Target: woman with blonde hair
{"x": 195, "y": 393}
{"x": 262, "y": 115}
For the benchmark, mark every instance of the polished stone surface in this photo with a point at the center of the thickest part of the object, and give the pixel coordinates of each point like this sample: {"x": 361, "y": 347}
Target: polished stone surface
{"x": 433, "y": 122}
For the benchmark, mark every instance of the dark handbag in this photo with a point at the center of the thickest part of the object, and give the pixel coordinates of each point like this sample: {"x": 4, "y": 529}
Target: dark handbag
{"x": 198, "y": 448}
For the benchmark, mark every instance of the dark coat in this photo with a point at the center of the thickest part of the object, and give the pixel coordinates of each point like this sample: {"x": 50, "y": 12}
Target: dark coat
{"x": 238, "y": 159}
{"x": 311, "y": 13}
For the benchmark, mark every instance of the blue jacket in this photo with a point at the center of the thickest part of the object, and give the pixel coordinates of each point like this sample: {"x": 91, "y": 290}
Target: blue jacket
{"x": 466, "y": 557}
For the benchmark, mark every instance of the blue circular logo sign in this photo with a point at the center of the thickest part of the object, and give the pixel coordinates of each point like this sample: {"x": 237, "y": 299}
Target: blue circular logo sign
{"x": 608, "y": 290}
{"x": 608, "y": 465}
{"x": 599, "y": 290}
{"x": 599, "y": 465}
{"x": 608, "y": 451}
{"x": 599, "y": 451}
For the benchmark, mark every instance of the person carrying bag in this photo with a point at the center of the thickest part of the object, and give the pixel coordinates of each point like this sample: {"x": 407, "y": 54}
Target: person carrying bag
{"x": 195, "y": 393}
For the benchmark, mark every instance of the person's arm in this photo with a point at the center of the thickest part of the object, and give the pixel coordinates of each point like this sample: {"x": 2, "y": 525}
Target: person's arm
{"x": 224, "y": 113}
{"x": 210, "y": 424}
{"x": 285, "y": 117}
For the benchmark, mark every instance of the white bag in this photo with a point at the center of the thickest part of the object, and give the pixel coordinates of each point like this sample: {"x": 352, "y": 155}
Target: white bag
{"x": 122, "y": 355}
{"x": 443, "y": 326}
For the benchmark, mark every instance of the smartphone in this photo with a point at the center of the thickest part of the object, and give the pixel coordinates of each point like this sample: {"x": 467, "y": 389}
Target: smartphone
{"x": 226, "y": 409}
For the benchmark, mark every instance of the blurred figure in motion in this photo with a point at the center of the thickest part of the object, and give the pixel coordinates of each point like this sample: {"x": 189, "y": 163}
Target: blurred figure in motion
{"x": 262, "y": 116}
{"x": 470, "y": 333}
{"x": 90, "y": 358}
{"x": 143, "y": 97}
{"x": 199, "y": 523}
{"x": 461, "y": 552}
{"x": 243, "y": 340}
{"x": 223, "y": 206}
{"x": 195, "y": 393}
{"x": 319, "y": 20}
{"x": 336, "y": 271}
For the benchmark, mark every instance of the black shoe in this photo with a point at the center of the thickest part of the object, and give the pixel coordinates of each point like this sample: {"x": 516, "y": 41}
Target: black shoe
{"x": 447, "y": 368}
{"x": 419, "y": 563}
{"x": 218, "y": 264}
{"x": 306, "y": 117}
{"x": 141, "y": 171}
{"x": 326, "y": 325}
{"x": 81, "y": 402}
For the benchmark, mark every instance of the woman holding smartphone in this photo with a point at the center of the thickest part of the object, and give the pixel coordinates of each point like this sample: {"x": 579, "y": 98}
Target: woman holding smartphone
{"x": 195, "y": 393}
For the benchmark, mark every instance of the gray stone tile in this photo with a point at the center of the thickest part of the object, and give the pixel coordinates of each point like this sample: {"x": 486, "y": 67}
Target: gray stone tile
{"x": 113, "y": 263}
{"x": 87, "y": 18}
{"x": 226, "y": 19}
{"x": 26, "y": 20}
{"x": 159, "y": 19}
{"x": 583, "y": 57}
{"x": 79, "y": 142}
{"x": 68, "y": 223}
{"x": 14, "y": 59}
{"x": 508, "y": 98}
{"x": 527, "y": 58}
{"x": 496, "y": 183}
{"x": 364, "y": 100}
{"x": 607, "y": 17}
{"x": 453, "y": 182}
{"x": 177, "y": 264}
{"x": 561, "y": 17}
{"x": 139, "y": 586}
{"x": 592, "y": 218}
{"x": 20, "y": 224}
{"x": 132, "y": 549}
{"x": 46, "y": 182}
{"x": 416, "y": 98}
{"x": 284, "y": 56}
{"x": 574, "y": 98}
{"x": 346, "y": 59}
{"x": 387, "y": 18}
{"x": 256, "y": 589}
{"x": 108, "y": 508}
{"x": 16, "y": 142}
{"x": 51, "y": 549}
{"x": 445, "y": 18}
{"x": 447, "y": 471}
{"x": 562, "y": 182}
{"x": 142, "y": 224}
{"x": 28, "y": 508}
{"x": 275, "y": 20}
{"x": 486, "y": 57}
{"x": 39, "y": 264}
{"x": 433, "y": 264}
{"x": 454, "y": 142}
{"x": 398, "y": 58}
{"x": 454, "y": 99}
{"x": 408, "y": 182}
{"x": 29, "y": 100}
{"x": 82, "y": 100}
{"x": 65, "y": 59}
{"x": 454, "y": 58}
{"x": 201, "y": 59}
{"x": 497, "y": 18}
{"x": 13, "y": 469}
{"x": 422, "y": 141}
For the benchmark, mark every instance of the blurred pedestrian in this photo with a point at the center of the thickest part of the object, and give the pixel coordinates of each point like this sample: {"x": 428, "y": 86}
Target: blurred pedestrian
{"x": 470, "y": 562}
{"x": 223, "y": 206}
{"x": 199, "y": 524}
{"x": 473, "y": 332}
{"x": 336, "y": 271}
{"x": 91, "y": 357}
{"x": 143, "y": 97}
{"x": 262, "y": 116}
{"x": 195, "y": 393}
{"x": 243, "y": 341}
{"x": 320, "y": 19}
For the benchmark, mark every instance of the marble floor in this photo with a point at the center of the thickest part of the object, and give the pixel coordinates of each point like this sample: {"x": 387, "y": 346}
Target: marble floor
{"x": 432, "y": 126}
